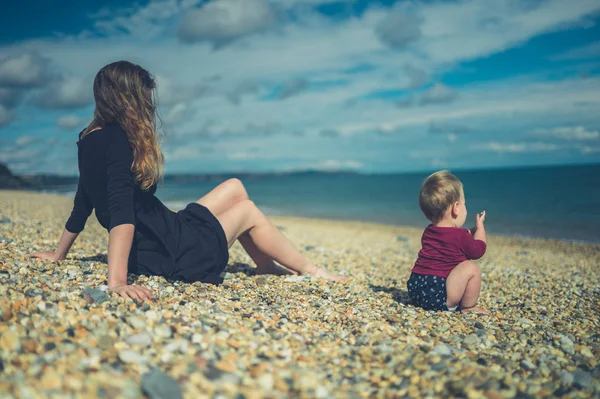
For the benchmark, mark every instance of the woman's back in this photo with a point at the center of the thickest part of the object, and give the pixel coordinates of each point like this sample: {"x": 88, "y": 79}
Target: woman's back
{"x": 106, "y": 182}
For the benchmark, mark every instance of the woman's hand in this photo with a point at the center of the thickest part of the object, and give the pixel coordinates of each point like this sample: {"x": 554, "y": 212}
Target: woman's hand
{"x": 48, "y": 255}
{"x": 133, "y": 292}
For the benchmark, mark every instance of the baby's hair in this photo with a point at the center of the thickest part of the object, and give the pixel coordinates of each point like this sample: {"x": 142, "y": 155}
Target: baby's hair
{"x": 439, "y": 191}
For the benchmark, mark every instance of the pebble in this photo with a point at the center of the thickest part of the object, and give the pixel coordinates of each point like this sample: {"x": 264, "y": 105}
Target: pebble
{"x": 137, "y": 322}
{"x": 582, "y": 379}
{"x": 141, "y": 339}
{"x": 95, "y": 295}
{"x": 471, "y": 340}
{"x": 527, "y": 365}
{"x": 128, "y": 356}
{"x": 566, "y": 377}
{"x": 442, "y": 350}
{"x": 9, "y": 341}
{"x": 158, "y": 385}
{"x": 565, "y": 342}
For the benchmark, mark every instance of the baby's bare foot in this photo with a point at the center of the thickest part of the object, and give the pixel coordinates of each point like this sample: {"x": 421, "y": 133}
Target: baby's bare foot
{"x": 474, "y": 309}
{"x": 322, "y": 273}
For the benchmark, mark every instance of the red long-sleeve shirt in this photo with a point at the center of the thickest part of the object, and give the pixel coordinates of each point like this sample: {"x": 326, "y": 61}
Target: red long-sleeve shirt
{"x": 443, "y": 248}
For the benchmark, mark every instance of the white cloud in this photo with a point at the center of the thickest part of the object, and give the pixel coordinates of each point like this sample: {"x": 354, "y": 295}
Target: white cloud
{"x": 417, "y": 76}
{"x": 508, "y": 99}
{"x": 589, "y": 150}
{"x": 568, "y": 133}
{"x": 221, "y": 22}
{"x": 170, "y": 93}
{"x": 471, "y": 29}
{"x": 10, "y": 97}
{"x": 24, "y": 141}
{"x": 145, "y": 22}
{"x": 183, "y": 154}
{"x": 399, "y": 28}
{"x": 21, "y": 159}
{"x": 68, "y": 93}
{"x": 292, "y": 87}
{"x": 245, "y": 88}
{"x": 332, "y": 165}
{"x": 23, "y": 70}
{"x": 445, "y": 128}
{"x": 178, "y": 113}
{"x": 515, "y": 147}
{"x": 70, "y": 122}
{"x": 438, "y": 94}
{"x": 591, "y": 50}
{"x": 5, "y": 116}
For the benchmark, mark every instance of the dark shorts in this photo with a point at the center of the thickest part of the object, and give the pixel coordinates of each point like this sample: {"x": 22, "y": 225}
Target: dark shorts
{"x": 427, "y": 292}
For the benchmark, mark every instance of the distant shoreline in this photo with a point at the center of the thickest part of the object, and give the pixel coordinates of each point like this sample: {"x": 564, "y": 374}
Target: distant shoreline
{"x": 354, "y": 222}
{"x": 53, "y": 180}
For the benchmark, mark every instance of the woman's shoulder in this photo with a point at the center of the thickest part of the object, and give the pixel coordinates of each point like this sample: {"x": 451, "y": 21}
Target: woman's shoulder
{"x": 113, "y": 130}
{"x": 106, "y": 132}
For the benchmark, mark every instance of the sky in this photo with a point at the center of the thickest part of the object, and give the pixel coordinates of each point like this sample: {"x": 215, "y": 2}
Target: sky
{"x": 283, "y": 85}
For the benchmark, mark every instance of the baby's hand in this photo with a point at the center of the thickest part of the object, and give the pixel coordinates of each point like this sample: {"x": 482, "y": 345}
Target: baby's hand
{"x": 480, "y": 218}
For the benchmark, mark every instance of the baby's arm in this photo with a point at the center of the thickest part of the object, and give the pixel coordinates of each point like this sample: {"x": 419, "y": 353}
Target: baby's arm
{"x": 475, "y": 244}
{"x": 478, "y": 231}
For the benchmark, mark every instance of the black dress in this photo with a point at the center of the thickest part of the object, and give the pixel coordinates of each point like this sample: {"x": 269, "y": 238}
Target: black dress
{"x": 189, "y": 245}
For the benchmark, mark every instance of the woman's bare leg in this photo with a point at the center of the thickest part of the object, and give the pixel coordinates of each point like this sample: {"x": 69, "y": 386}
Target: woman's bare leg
{"x": 224, "y": 197}
{"x": 462, "y": 287}
{"x": 245, "y": 218}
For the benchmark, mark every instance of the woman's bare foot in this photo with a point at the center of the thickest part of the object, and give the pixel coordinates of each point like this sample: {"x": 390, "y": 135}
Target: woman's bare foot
{"x": 474, "y": 309}
{"x": 274, "y": 269}
{"x": 322, "y": 273}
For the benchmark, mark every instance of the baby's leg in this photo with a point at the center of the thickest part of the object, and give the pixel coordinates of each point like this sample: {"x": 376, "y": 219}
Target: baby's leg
{"x": 463, "y": 285}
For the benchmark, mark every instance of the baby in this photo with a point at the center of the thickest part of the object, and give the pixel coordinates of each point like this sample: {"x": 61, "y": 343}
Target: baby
{"x": 444, "y": 276}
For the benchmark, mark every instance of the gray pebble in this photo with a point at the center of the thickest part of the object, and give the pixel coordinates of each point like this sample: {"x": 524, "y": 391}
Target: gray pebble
{"x": 471, "y": 340}
{"x": 163, "y": 331}
{"x": 582, "y": 379}
{"x": 565, "y": 342}
{"x": 158, "y": 385}
{"x": 527, "y": 365}
{"x": 442, "y": 350}
{"x": 96, "y": 295}
{"x": 128, "y": 356}
{"x": 137, "y": 322}
{"x": 141, "y": 339}
{"x": 565, "y": 377}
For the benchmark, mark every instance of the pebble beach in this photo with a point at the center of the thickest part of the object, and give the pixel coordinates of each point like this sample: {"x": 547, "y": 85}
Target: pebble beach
{"x": 259, "y": 336}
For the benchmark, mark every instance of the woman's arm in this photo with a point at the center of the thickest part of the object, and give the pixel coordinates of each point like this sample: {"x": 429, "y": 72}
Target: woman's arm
{"x": 121, "y": 211}
{"x": 82, "y": 207}
{"x": 64, "y": 245}
{"x": 120, "y": 239}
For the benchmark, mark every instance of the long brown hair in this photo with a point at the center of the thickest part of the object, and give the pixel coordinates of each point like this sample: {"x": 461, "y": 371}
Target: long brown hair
{"x": 123, "y": 92}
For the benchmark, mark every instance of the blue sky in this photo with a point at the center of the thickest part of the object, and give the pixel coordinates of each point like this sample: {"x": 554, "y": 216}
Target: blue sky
{"x": 277, "y": 85}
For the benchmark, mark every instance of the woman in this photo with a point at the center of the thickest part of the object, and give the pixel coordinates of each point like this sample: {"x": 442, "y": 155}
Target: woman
{"x": 120, "y": 163}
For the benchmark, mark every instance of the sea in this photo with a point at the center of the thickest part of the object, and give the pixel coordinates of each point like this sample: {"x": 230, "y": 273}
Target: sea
{"x": 557, "y": 202}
